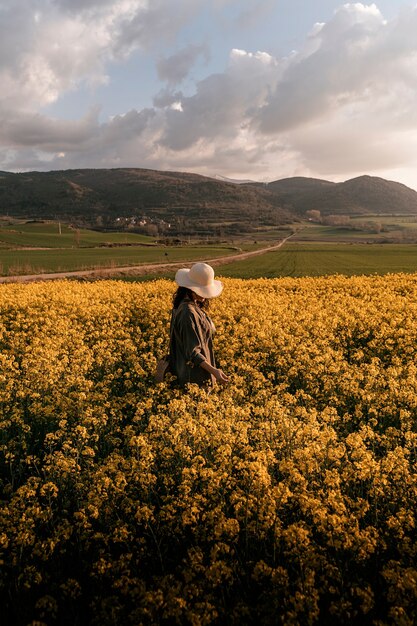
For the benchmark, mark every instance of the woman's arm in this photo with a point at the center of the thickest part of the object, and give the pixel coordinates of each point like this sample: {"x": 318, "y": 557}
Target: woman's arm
{"x": 187, "y": 330}
{"x": 218, "y": 374}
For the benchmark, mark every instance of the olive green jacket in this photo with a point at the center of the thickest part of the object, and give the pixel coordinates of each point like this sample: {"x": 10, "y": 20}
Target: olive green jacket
{"x": 191, "y": 343}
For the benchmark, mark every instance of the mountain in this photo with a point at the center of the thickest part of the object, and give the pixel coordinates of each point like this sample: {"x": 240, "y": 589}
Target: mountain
{"x": 299, "y": 185}
{"x": 235, "y": 181}
{"x": 358, "y": 196}
{"x": 188, "y": 202}
{"x": 182, "y": 203}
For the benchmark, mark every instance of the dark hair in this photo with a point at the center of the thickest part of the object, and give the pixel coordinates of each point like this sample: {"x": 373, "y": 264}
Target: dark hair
{"x": 184, "y": 292}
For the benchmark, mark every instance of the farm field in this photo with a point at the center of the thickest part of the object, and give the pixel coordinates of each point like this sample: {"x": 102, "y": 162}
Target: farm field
{"x": 288, "y": 497}
{"x": 319, "y": 259}
{"x": 314, "y": 250}
{"x": 329, "y": 234}
{"x": 15, "y": 262}
{"x": 53, "y": 235}
{"x": 38, "y": 247}
{"x": 362, "y": 229}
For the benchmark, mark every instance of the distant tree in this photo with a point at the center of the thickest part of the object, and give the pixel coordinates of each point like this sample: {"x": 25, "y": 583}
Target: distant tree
{"x": 336, "y": 220}
{"x": 314, "y": 215}
{"x": 370, "y": 227}
{"x": 151, "y": 230}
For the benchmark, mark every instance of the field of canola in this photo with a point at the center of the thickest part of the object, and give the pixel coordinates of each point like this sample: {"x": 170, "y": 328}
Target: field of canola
{"x": 289, "y": 497}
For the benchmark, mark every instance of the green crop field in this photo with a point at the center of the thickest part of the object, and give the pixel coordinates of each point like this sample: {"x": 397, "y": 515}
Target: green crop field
{"x": 16, "y": 262}
{"x": 30, "y": 247}
{"x": 318, "y": 232}
{"x": 53, "y": 235}
{"x": 320, "y": 259}
{"x": 361, "y": 229}
{"x": 315, "y": 250}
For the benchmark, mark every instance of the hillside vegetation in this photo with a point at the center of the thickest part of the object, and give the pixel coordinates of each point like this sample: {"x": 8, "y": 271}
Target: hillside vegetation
{"x": 289, "y": 497}
{"x": 358, "y": 196}
{"x": 188, "y": 203}
{"x": 180, "y": 204}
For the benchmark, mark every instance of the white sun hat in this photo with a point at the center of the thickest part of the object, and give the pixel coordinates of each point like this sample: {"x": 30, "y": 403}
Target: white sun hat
{"x": 200, "y": 279}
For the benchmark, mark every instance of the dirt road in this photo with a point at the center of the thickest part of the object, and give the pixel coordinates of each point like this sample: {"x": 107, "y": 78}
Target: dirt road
{"x": 139, "y": 270}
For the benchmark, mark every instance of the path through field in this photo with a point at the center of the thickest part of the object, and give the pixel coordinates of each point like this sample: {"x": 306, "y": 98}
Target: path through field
{"x": 139, "y": 270}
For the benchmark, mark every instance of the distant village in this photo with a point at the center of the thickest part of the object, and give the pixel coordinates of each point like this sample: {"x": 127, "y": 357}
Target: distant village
{"x": 135, "y": 221}
{"x": 152, "y": 226}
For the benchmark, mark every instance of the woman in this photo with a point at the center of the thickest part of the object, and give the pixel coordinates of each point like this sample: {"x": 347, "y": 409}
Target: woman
{"x": 191, "y": 346}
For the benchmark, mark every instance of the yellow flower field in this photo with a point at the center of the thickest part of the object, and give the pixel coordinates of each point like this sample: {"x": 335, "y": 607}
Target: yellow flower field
{"x": 289, "y": 497}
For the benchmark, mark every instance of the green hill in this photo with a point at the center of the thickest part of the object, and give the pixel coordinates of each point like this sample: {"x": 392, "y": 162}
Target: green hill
{"x": 187, "y": 202}
{"x": 181, "y": 203}
{"x": 358, "y": 196}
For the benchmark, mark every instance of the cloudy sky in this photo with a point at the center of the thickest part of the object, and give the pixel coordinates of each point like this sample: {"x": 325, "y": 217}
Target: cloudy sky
{"x": 260, "y": 89}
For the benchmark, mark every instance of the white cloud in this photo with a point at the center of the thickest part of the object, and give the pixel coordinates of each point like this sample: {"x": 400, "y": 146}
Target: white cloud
{"x": 253, "y": 11}
{"x": 166, "y": 98}
{"x": 49, "y": 47}
{"x": 223, "y": 103}
{"x": 343, "y": 103}
{"x": 176, "y": 68}
{"x": 158, "y": 20}
{"x": 50, "y": 53}
{"x": 338, "y": 63}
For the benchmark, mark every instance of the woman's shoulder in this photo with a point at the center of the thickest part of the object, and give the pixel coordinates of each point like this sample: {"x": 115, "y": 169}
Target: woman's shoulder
{"x": 187, "y": 308}
{"x": 184, "y": 307}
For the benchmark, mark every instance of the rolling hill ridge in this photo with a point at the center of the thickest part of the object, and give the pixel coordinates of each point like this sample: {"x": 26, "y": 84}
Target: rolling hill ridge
{"x": 357, "y": 196}
{"x": 187, "y": 203}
